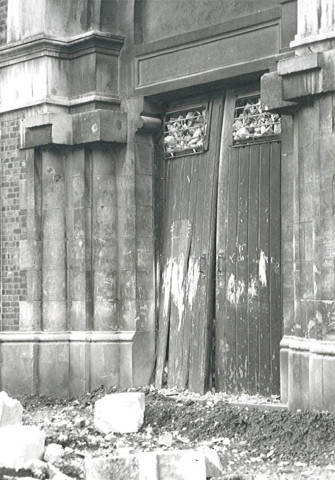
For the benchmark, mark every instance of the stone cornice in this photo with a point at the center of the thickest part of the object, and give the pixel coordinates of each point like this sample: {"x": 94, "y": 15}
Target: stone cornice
{"x": 65, "y": 48}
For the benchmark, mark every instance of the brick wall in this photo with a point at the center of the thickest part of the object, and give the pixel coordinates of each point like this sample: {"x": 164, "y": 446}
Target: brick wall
{"x": 3, "y": 21}
{"x": 13, "y": 221}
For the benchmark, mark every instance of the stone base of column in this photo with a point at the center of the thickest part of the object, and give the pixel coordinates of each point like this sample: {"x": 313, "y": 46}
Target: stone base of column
{"x": 69, "y": 364}
{"x": 308, "y": 374}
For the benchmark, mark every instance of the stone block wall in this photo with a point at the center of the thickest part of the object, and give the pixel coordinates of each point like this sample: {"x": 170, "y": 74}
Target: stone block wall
{"x": 3, "y": 21}
{"x": 13, "y": 221}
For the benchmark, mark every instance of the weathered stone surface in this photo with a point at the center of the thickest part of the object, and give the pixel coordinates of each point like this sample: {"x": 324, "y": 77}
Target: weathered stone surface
{"x": 119, "y": 412}
{"x": 10, "y": 410}
{"x": 178, "y": 464}
{"x": 19, "y": 443}
{"x": 53, "y": 452}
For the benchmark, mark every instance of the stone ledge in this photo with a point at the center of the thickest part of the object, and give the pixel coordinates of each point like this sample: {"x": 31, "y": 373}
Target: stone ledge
{"x": 293, "y": 65}
{"x": 297, "y": 79}
{"x": 81, "y": 128}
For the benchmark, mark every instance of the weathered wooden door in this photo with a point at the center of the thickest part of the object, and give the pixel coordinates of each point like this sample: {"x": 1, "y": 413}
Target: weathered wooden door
{"x": 186, "y": 184}
{"x": 248, "y": 280}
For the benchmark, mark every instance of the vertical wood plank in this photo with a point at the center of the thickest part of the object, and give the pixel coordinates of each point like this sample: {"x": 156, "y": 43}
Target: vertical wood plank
{"x": 192, "y": 270}
{"x": 263, "y": 270}
{"x": 275, "y": 265}
{"x": 177, "y": 259}
{"x": 165, "y": 278}
{"x": 221, "y": 345}
{"x": 179, "y": 346}
{"x": 204, "y": 226}
{"x": 253, "y": 279}
{"x": 242, "y": 272}
{"x": 231, "y": 352}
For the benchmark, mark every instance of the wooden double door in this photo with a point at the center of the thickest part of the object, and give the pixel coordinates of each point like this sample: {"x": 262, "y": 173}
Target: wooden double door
{"x": 218, "y": 252}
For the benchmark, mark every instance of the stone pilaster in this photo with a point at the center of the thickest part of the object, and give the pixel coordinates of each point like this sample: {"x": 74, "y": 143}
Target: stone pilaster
{"x": 88, "y": 318}
{"x": 305, "y": 90}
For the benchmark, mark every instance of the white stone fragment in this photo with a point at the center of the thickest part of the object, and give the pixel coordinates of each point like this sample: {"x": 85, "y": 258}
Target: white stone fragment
{"x": 53, "y": 452}
{"x": 119, "y": 412}
{"x": 19, "y": 443}
{"x": 10, "y": 410}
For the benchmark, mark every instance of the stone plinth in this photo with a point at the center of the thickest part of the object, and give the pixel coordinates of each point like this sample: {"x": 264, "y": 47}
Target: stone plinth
{"x": 68, "y": 364}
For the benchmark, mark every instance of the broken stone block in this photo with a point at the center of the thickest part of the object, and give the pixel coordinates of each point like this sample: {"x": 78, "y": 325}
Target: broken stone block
{"x": 19, "y": 444}
{"x": 53, "y": 452}
{"x": 178, "y": 464}
{"x": 213, "y": 462}
{"x": 119, "y": 412}
{"x": 10, "y": 410}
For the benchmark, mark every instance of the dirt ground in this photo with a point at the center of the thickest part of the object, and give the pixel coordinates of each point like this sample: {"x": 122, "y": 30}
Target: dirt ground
{"x": 253, "y": 436}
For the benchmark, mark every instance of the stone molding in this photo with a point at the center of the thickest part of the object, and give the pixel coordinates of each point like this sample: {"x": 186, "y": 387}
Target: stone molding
{"x": 67, "y": 336}
{"x": 320, "y": 347}
{"x": 76, "y": 72}
{"x": 61, "y": 47}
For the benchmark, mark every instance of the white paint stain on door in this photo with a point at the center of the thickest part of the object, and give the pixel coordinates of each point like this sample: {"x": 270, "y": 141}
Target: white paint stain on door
{"x": 262, "y": 269}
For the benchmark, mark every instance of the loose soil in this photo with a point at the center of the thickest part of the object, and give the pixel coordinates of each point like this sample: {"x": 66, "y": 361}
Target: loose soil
{"x": 251, "y": 434}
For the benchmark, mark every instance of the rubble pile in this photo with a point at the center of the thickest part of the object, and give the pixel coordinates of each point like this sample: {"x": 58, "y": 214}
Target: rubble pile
{"x": 251, "y": 123}
{"x": 185, "y": 133}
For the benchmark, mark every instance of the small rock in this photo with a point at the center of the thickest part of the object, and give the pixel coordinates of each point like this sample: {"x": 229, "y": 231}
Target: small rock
{"x": 165, "y": 439}
{"x": 53, "y": 453}
{"x": 119, "y": 412}
{"x": 62, "y": 438}
{"x": 111, "y": 438}
{"x": 80, "y": 422}
{"x": 184, "y": 439}
{"x": 10, "y": 410}
{"x": 19, "y": 443}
